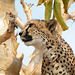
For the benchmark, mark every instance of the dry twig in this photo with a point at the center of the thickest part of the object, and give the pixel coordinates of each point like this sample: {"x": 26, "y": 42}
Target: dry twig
{"x": 71, "y": 16}
{"x": 27, "y": 9}
{"x": 28, "y": 12}
{"x": 20, "y": 23}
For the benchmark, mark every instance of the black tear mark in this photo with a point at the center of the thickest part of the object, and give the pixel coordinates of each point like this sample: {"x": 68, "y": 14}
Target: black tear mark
{"x": 26, "y": 31}
{"x": 28, "y": 37}
{"x": 31, "y": 24}
{"x": 29, "y": 27}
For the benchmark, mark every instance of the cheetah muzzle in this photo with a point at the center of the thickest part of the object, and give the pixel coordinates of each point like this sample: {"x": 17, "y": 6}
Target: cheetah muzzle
{"x": 26, "y": 38}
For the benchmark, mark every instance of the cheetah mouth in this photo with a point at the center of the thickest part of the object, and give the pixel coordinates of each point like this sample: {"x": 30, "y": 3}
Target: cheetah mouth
{"x": 27, "y": 38}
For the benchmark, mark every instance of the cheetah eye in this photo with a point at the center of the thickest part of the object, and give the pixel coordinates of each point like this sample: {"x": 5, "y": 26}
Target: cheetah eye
{"x": 31, "y": 24}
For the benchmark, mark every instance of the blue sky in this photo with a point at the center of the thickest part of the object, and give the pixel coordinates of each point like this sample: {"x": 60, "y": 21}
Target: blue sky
{"x": 38, "y": 13}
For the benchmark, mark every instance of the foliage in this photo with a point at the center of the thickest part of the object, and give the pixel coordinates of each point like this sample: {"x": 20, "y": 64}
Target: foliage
{"x": 65, "y": 5}
{"x": 48, "y": 10}
{"x": 57, "y": 10}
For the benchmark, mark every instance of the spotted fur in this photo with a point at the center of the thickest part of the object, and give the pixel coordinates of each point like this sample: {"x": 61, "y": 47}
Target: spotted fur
{"x": 58, "y": 57}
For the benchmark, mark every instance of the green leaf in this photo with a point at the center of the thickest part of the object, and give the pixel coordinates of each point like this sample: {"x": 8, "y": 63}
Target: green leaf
{"x": 40, "y": 2}
{"x": 48, "y": 10}
{"x": 65, "y": 2}
{"x": 57, "y": 12}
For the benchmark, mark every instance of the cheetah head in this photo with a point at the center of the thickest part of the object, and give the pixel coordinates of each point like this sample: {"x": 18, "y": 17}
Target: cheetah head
{"x": 36, "y": 32}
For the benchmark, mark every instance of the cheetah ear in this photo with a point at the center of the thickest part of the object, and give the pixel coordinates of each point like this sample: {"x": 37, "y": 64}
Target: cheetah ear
{"x": 51, "y": 25}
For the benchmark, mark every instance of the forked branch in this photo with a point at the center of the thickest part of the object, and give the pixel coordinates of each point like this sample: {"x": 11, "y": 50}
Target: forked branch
{"x": 71, "y": 16}
{"x": 27, "y": 10}
{"x": 12, "y": 21}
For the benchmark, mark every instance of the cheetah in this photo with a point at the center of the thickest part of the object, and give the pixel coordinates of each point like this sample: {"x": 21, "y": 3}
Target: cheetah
{"x": 57, "y": 55}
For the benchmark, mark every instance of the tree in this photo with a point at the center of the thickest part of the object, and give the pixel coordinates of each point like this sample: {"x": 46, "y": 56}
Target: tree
{"x": 10, "y": 60}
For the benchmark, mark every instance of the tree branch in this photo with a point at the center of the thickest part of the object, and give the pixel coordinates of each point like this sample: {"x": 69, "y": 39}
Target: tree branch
{"x": 71, "y": 16}
{"x": 27, "y": 10}
{"x": 10, "y": 20}
{"x": 20, "y": 23}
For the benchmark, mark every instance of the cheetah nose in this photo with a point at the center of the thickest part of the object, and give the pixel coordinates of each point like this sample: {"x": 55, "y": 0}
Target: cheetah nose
{"x": 20, "y": 33}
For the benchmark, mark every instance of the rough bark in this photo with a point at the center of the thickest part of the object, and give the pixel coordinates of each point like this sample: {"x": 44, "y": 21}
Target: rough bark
{"x": 10, "y": 60}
